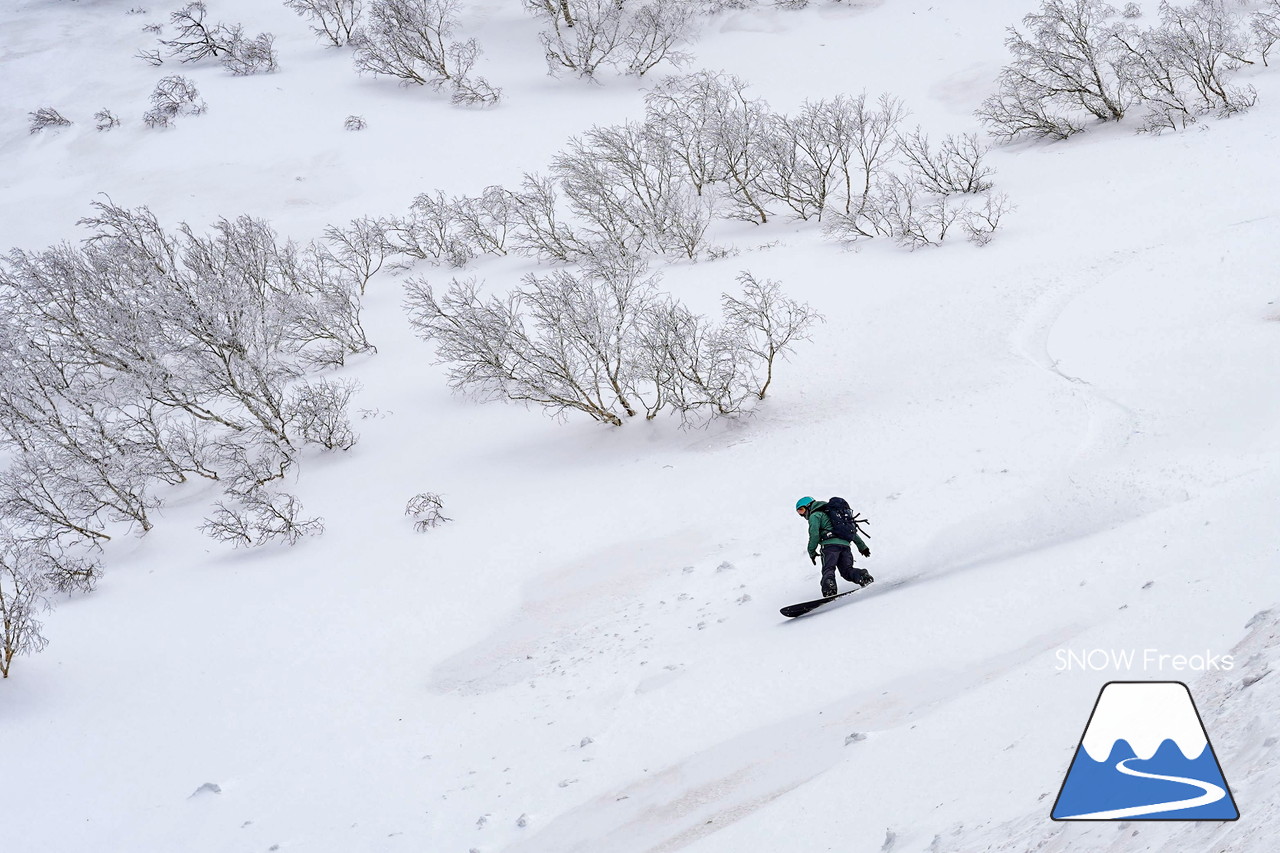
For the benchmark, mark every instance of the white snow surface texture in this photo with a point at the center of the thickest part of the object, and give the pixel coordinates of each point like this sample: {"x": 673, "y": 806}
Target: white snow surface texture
{"x": 589, "y": 657}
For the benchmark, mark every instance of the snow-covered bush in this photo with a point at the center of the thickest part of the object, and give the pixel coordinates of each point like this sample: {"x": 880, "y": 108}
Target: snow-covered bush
{"x": 627, "y": 184}
{"x": 46, "y": 117}
{"x": 249, "y": 55}
{"x": 334, "y": 20}
{"x": 104, "y": 119}
{"x": 606, "y": 343}
{"x": 426, "y": 509}
{"x": 173, "y": 96}
{"x": 354, "y": 123}
{"x": 1131, "y": 10}
{"x": 126, "y": 366}
{"x": 410, "y": 40}
{"x": 257, "y": 517}
{"x": 318, "y": 413}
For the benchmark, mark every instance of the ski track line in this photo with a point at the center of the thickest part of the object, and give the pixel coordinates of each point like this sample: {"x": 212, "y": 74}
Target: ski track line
{"x": 1212, "y": 793}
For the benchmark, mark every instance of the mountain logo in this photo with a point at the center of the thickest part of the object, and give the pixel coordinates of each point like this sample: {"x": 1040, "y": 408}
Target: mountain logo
{"x": 1145, "y": 755}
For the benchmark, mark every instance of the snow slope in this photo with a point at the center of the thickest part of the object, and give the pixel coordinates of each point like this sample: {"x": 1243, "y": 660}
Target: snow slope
{"x": 1066, "y": 440}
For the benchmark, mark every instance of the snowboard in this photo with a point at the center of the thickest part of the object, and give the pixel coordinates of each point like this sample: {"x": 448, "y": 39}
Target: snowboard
{"x": 807, "y": 606}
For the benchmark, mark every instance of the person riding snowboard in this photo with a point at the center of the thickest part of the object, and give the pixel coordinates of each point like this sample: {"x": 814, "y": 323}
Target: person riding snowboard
{"x": 832, "y": 526}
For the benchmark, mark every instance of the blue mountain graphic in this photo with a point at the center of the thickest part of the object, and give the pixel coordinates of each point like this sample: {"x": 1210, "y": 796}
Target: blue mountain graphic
{"x": 1100, "y": 786}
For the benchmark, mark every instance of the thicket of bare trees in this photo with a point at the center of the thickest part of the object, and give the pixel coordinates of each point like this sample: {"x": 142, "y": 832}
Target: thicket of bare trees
{"x": 144, "y": 357}
{"x": 1081, "y": 61}
{"x": 705, "y": 150}
{"x": 605, "y": 342}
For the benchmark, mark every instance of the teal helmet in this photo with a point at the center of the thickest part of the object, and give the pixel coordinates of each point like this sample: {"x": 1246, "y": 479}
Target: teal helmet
{"x": 804, "y": 502}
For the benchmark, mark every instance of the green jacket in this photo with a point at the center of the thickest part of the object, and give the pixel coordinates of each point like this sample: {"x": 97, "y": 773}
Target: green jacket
{"x": 820, "y": 532}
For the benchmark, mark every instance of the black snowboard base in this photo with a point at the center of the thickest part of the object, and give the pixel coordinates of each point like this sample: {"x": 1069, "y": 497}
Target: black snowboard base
{"x": 806, "y": 606}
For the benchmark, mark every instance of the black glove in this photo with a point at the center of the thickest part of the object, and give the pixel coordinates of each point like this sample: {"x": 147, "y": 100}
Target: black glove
{"x": 864, "y": 551}
{"x": 813, "y": 558}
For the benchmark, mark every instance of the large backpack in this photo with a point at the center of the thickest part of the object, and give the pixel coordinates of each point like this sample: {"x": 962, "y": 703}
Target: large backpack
{"x": 844, "y": 524}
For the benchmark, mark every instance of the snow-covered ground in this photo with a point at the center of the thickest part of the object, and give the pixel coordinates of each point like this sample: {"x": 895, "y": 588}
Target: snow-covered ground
{"x": 1067, "y": 441}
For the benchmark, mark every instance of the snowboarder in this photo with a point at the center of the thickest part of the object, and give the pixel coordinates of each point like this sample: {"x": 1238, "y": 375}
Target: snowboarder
{"x": 831, "y": 525}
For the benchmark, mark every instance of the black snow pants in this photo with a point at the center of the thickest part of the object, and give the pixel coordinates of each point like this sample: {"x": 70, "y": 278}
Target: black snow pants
{"x": 837, "y": 558}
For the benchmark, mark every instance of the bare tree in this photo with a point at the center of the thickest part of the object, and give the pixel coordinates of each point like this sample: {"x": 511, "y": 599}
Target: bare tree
{"x": 23, "y": 597}
{"x": 1069, "y": 61}
{"x": 196, "y": 40}
{"x": 955, "y": 166}
{"x": 767, "y": 324}
{"x": 173, "y": 96}
{"x": 656, "y": 32}
{"x": 249, "y": 55}
{"x": 627, "y": 183}
{"x": 583, "y": 35}
{"x": 486, "y": 221}
{"x": 318, "y": 412}
{"x": 361, "y": 248}
{"x": 539, "y": 228}
{"x": 1204, "y": 43}
{"x": 1264, "y": 25}
{"x": 334, "y": 20}
{"x": 410, "y": 40}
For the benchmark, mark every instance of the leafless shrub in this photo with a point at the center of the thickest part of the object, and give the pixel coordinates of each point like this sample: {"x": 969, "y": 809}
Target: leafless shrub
{"x": 173, "y": 96}
{"x": 259, "y": 517}
{"x": 334, "y": 20}
{"x": 1131, "y": 10}
{"x": 955, "y": 166}
{"x": 245, "y": 55}
{"x": 318, "y": 413}
{"x": 980, "y": 224}
{"x": 46, "y": 117}
{"x": 354, "y": 123}
{"x": 426, "y": 510}
{"x": 153, "y": 29}
{"x": 104, "y": 119}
